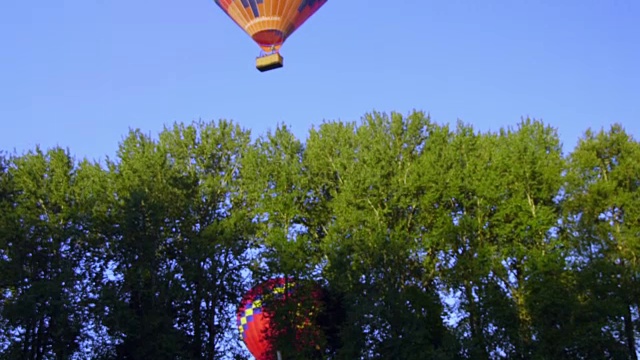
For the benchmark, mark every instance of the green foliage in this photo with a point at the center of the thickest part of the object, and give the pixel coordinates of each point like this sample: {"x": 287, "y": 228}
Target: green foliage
{"x": 179, "y": 244}
{"x": 604, "y": 226}
{"x": 42, "y": 242}
{"x": 428, "y": 241}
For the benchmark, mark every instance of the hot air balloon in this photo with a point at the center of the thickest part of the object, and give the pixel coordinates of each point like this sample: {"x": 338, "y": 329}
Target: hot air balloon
{"x": 258, "y": 306}
{"x": 270, "y": 23}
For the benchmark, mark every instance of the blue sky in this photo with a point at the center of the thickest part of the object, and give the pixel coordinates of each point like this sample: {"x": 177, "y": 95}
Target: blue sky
{"x": 80, "y": 73}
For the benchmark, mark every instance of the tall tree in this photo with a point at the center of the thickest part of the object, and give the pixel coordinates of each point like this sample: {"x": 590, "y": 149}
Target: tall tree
{"x": 376, "y": 244}
{"x": 177, "y": 239}
{"x": 468, "y": 253}
{"x": 41, "y": 247}
{"x": 604, "y": 218}
{"x": 530, "y": 165}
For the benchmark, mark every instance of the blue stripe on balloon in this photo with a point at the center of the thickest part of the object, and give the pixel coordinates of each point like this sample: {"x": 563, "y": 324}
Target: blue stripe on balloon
{"x": 306, "y": 3}
{"x": 254, "y": 6}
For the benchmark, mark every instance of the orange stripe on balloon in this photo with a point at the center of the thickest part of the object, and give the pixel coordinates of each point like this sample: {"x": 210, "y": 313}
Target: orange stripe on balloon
{"x": 280, "y": 15}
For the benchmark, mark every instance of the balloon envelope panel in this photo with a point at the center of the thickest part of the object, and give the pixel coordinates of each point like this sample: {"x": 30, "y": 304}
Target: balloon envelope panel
{"x": 254, "y": 312}
{"x": 270, "y": 22}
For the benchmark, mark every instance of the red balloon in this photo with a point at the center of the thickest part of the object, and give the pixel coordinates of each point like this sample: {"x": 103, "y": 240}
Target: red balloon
{"x": 254, "y": 316}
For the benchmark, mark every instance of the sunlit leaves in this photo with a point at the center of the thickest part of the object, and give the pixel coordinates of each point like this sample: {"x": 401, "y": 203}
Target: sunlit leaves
{"x": 434, "y": 241}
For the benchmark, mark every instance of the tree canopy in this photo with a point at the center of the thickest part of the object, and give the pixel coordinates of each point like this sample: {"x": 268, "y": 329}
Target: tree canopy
{"x": 434, "y": 241}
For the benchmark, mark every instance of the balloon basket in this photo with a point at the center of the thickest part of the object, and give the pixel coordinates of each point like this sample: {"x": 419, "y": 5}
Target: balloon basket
{"x": 269, "y": 62}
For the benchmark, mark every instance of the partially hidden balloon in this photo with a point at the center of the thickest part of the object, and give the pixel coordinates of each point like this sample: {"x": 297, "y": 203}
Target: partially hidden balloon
{"x": 256, "y": 311}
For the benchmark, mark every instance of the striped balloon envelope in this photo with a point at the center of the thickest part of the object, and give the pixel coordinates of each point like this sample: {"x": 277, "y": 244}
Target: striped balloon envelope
{"x": 270, "y": 22}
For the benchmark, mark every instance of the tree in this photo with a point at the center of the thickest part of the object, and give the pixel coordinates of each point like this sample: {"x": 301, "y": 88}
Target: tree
{"x": 41, "y": 246}
{"x": 428, "y": 242}
{"x": 177, "y": 240}
{"x": 376, "y": 241}
{"x": 604, "y": 222}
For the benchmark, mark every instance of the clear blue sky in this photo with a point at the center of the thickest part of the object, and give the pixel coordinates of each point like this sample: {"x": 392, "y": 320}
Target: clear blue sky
{"x": 80, "y": 73}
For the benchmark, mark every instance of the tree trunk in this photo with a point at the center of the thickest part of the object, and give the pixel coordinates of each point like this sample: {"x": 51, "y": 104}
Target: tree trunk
{"x": 630, "y": 334}
{"x": 479, "y": 349}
